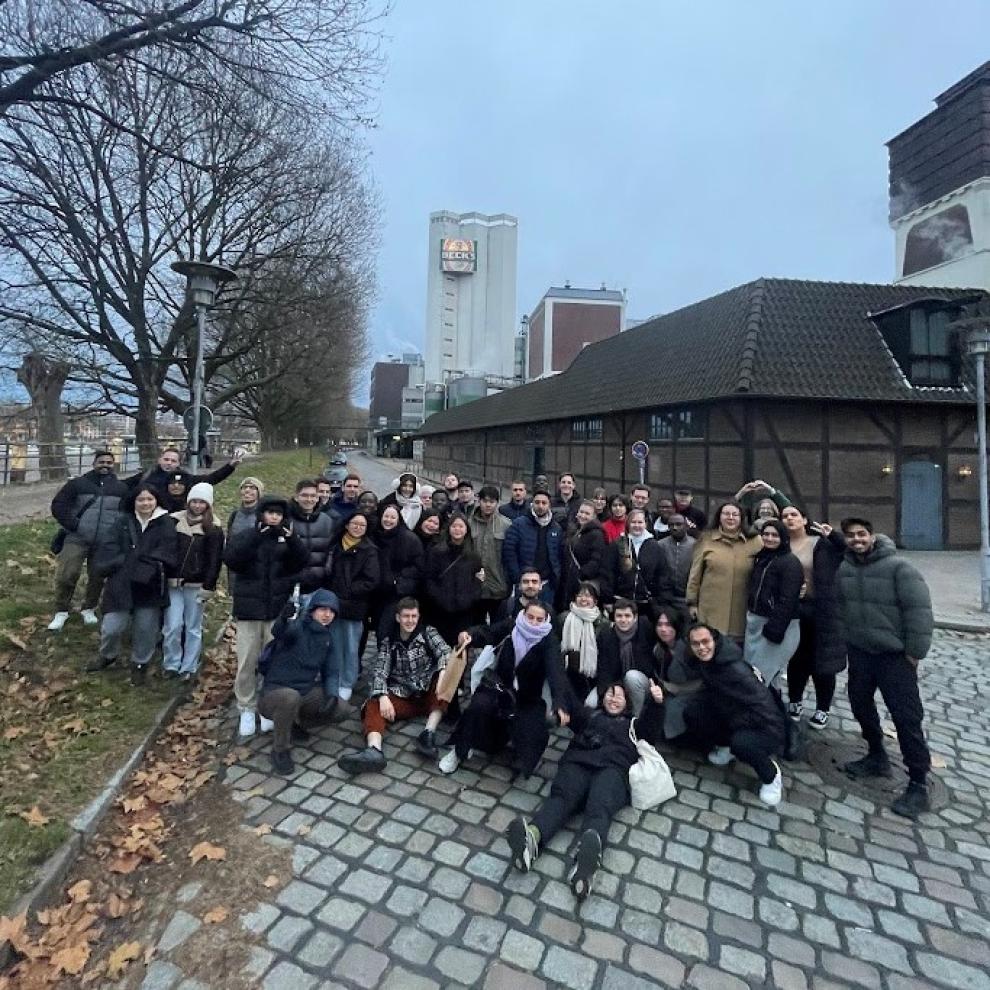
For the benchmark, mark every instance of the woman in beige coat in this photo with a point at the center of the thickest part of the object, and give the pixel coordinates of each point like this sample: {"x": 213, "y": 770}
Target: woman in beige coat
{"x": 718, "y": 583}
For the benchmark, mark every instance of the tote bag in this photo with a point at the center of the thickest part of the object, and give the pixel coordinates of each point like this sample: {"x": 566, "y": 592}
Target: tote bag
{"x": 450, "y": 676}
{"x": 650, "y": 781}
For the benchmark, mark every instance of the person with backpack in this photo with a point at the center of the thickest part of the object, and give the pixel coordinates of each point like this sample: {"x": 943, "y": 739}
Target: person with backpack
{"x": 297, "y": 666}
{"x": 191, "y": 583}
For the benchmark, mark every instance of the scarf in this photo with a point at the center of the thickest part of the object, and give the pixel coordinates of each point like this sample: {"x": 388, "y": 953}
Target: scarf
{"x": 578, "y": 635}
{"x": 525, "y": 635}
{"x": 625, "y": 646}
{"x": 349, "y": 542}
{"x": 545, "y": 521}
{"x": 410, "y": 508}
{"x": 638, "y": 541}
{"x": 143, "y": 523}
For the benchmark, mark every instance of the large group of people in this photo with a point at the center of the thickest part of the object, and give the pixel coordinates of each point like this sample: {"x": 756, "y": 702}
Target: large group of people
{"x": 605, "y": 616}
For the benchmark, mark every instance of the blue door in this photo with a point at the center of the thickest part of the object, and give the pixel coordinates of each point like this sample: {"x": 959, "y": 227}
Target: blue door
{"x": 921, "y": 505}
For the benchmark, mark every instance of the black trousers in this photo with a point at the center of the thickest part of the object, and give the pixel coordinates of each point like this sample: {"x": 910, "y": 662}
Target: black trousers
{"x": 752, "y": 746}
{"x": 602, "y": 793}
{"x": 801, "y": 667}
{"x": 897, "y": 680}
{"x": 483, "y": 725}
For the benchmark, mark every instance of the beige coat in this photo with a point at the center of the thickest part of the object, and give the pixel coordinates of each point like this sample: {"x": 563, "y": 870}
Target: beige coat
{"x": 719, "y": 580}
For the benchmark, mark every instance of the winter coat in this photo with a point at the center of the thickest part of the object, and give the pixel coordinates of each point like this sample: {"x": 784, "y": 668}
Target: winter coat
{"x": 488, "y": 536}
{"x": 737, "y": 694}
{"x": 519, "y": 548}
{"x": 450, "y": 584}
{"x": 339, "y": 513}
{"x": 159, "y": 480}
{"x": 354, "y": 576}
{"x": 610, "y": 667}
{"x": 718, "y": 584}
{"x": 87, "y": 507}
{"x": 583, "y": 559}
{"x": 265, "y": 563}
{"x": 302, "y": 654}
{"x": 400, "y": 560}
{"x": 830, "y": 631}
{"x": 199, "y": 554}
{"x": 316, "y": 530}
{"x": 407, "y": 667}
{"x": 512, "y": 512}
{"x": 564, "y": 512}
{"x": 240, "y": 520}
{"x": 613, "y": 528}
{"x": 679, "y": 556}
{"x": 602, "y": 740}
{"x": 136, "y": 562}
{"x": 775, "y": 590}
{"x": 886, "y": 605}
{"x": 680, "y": 683}
{"x": 647, "y": 580}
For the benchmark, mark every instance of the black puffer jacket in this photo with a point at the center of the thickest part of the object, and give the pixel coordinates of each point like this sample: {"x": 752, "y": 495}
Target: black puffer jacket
{"x": 354, "y": 576}
{"x": 584, "y": 557}
{"x": 199, "y": 555}
{"x": 602, "y": 740}
{"x": 830, "y": 631}
{"x": 88, "y": 506}
{"x": 775, "y": 589}
{"x": 647, "y": 579}
{"x": 264, "y": 563}
{"x": 450, "y": 582}
{"x": 316, "y": 530}
{"x": 136, "y": 562}
{"x": 401, "y": 560}
{"x": 610, "y": 667}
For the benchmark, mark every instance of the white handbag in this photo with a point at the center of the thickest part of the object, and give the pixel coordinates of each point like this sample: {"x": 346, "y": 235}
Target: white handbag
{"x": 484, "y": 660}
{"x": 650, "y": 780}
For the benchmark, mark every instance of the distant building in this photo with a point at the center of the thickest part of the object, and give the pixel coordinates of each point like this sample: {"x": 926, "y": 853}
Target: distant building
{"x": 471, "y": 296}
{"x": 940, "y": 189}
{"x": 565, "y": 321}
{"x": 396, "y": 405}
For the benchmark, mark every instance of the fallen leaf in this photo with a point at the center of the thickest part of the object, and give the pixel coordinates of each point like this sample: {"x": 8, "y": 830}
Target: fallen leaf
{"x": 304, "y": 830}
{"x": 125, "y": 863}
{"x": 80, "y": 891}
{"x": 271, "y": 881}
{"x": 254, "y": 792}
{"x": 14, "y": 731}
{"x": 72, "y": 959}
{"x": 148, "y": 953}
{"x": 938, "y": 762}
{"x": 34, "y": 817}
{"x": 12, "y": 929}
{"x": 216, "y": 916}
{"x": 76, "y": 725}
{"x": 134, "y": 804}
{"x": 106, "y": 703}
{"x": 17, "y": 641}
{"x": 116, "y": 906}
{"x": 263, "y": 829}
{"x": 205, "y": 850}
{"x": 121, "y": 956}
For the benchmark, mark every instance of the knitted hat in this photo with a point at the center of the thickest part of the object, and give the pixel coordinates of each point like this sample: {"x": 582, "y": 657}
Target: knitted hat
{"x": 249, "y": 480}
{"x": 201, "y": 490}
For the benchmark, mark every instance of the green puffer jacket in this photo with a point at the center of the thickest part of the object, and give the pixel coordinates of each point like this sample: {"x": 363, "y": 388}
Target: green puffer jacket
{"x": 886, "y": 605}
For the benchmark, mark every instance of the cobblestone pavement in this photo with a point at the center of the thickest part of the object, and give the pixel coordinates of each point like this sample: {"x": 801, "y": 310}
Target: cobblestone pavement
{"x": 402, "y": 879}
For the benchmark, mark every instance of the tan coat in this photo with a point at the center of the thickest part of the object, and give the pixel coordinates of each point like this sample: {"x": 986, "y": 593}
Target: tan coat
{"x": 719, "y": 579}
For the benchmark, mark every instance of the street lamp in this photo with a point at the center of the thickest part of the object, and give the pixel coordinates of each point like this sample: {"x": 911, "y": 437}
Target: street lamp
{"x": 203, "y": 281}
{"x": 978, "y": 344}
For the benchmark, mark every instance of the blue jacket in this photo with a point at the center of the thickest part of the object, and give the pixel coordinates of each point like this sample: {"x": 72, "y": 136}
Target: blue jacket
{"x": 303, "y": 653}
{"x": 519, "y": 548}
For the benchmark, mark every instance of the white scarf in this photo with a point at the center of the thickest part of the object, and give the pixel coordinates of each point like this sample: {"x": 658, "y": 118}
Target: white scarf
{"x": 410, "y": 507}
{"x": 579, "y": 634}
{"x": 541, "y": 520}
{"x": 638, "y": 541}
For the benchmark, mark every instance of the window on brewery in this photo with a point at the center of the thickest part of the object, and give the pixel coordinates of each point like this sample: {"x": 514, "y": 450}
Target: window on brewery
{"x": 579, "y": 430}
{"x": 934, "y": 359}
{"x": 594, "y": 429}
{"x": 678, "y": 424}
{"x": 662, "y": 426}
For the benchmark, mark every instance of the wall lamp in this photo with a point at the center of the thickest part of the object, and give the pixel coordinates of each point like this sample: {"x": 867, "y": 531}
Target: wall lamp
{"x": 886, "y": 470}
{"x": 964, "y": 471}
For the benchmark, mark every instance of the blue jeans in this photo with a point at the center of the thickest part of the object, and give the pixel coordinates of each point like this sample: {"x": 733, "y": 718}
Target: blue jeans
{"x": 345, "y": 664}
{"x": 184, "y": 611}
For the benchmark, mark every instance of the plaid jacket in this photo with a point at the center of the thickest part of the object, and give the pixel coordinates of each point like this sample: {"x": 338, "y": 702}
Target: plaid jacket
{"x": 406, "y": 668}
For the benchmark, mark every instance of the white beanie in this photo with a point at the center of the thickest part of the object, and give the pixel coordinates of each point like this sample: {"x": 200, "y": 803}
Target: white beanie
{"x": 203, "y": 491}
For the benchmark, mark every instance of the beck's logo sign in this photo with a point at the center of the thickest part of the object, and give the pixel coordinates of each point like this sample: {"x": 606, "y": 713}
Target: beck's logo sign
{"x": 458, "y": 255}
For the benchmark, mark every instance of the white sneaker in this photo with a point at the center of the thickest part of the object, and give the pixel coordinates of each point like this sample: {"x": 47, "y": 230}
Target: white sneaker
{"x": 89, "y": 617}
{"x": 771, "y": 794}
{"x": 265, "y": 724}
{"x": 59, "y": 620}
{"x": 247, "y": 726}
{"x": 721, "y": 756}
{"x": 449, "y": 762}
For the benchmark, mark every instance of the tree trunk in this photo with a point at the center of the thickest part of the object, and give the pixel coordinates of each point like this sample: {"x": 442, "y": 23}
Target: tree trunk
{"x": 146, "y": 426}
{"x": 44, "y": 380}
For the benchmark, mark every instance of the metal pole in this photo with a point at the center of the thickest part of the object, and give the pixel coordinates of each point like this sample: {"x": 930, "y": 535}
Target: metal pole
{"x": 981, "y": 432}
{"x": 197, "y": 386}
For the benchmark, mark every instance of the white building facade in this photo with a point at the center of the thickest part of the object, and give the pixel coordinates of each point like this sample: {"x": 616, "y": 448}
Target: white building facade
{"x": 471, "y": 295}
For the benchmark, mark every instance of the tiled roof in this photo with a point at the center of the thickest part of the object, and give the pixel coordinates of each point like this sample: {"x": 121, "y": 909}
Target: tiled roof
{"x": 773, "y": 337}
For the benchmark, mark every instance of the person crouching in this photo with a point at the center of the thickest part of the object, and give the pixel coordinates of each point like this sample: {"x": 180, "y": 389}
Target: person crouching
{"x": 294, "y": 690}
{"x": 410, "y": 657}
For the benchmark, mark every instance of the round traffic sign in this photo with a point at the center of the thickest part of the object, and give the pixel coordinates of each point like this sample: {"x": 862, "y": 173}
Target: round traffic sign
{"x": 205, "y": 419}
{"x": 641, "y": 450}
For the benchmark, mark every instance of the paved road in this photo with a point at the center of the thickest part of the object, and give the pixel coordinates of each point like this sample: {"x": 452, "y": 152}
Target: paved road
{"x": 402, "y": 879}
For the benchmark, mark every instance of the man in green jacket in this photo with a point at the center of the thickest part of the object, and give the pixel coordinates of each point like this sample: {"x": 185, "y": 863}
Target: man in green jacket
{"x": 488, "y": 528}
{"x": 887, "y": 610}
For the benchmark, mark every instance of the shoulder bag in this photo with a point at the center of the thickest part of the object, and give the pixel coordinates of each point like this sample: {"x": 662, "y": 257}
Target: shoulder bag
{"x": 650, "y": 780}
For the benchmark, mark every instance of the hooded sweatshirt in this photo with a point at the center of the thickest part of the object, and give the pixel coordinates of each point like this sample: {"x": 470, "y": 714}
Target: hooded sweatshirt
{"x": 303, "y": 650}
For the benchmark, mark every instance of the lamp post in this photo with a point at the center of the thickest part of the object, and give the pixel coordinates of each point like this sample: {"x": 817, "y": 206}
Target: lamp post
{"x": 978, "y": 344}
{"x": 203, "y": 281}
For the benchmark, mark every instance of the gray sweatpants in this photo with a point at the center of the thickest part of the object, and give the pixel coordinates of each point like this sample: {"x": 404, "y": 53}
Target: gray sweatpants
{"x": 145, "y": 625}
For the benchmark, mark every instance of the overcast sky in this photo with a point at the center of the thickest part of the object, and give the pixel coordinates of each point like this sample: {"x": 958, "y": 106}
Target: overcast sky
{"x": 674, "y": 150}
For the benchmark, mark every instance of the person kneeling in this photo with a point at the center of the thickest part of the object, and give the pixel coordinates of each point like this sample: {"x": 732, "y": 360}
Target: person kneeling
{"x": 297, "y": 673}
{"x": 403, "y": 685}
{"x": 593, "y": 775}
{"x": 736, "y": 712}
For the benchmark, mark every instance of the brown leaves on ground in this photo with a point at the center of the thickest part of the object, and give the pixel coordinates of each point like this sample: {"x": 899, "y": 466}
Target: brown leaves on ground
{"x": 35, "y": 817}
{"x": 206, "y": 850}
{"x": 121, "y": 956}
{"x": 217, "y": 915}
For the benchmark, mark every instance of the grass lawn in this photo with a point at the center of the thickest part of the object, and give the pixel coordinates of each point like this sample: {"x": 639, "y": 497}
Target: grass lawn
{"x": 63, "y": 733}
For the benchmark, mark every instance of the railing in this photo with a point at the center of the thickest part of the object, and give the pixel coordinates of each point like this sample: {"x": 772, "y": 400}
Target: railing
{"x": 28, "y": 462}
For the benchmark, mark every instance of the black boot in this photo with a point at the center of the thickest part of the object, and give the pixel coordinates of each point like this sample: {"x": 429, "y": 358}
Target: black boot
{"x": 874, "y": 764}
{"x": 282, "y": 762}
{"x": 913, "y": 801}
{"x": 426, "y": 744}
{"x": 139, "y": 673}
{"x": 586, "y": 863}
{"x": 299, "y": 734}
{"x": 100, "y": 663}
{"x": 368, "y": 760}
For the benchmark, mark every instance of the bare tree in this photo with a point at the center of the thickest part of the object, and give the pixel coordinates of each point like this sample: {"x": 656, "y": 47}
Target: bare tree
{"x": 44, "y": 380}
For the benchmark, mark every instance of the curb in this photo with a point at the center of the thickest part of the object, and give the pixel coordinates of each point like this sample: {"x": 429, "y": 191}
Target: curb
{"x": 54, "y": 870}
{"x": 963, "y": 626}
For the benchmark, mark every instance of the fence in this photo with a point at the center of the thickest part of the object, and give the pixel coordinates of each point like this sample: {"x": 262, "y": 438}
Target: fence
{"x": 22, "y": 463}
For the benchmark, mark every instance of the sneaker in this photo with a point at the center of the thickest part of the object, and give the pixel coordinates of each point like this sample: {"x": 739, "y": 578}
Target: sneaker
{"x": 168, "y": 674}
{"x": 721, "y": 756}
{"x": 282, "y": 762}
{"x": 368, "y": 760}
{"x": 874, "y": 764}
{"x": 794, "y": 710}
{"x": 819, "y": 720}
{"x": 426, "y": 744}
{"x": 89, "y": 617}
{"x": 297, "y": 733}
{"x": 586, "y": 863}
{"x": 771, "y": 794}
{"x": 450, "y": 762}
{"x": 247, "y": 725}
{"x": 265, "y": 724}
{"x": 187, "y": 677}
{"x": 913, "y": 801}
{"x": 522, "y": 842}
{"x": 58, "y": 620}
{"x": 100, "y": 663}
{"x": 139, "y": 673}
